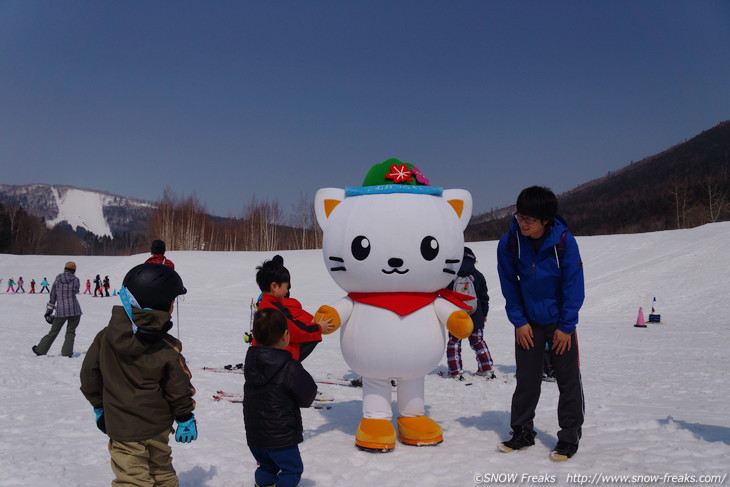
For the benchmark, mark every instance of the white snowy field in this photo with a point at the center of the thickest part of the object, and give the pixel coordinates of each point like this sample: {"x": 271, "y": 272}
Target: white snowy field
{"x": 657, "y": 398}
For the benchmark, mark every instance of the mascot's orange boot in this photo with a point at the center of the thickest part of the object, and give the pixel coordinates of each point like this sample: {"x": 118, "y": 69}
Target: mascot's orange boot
{"x": 375, "y": 435}
{"x": 419, "y": 431}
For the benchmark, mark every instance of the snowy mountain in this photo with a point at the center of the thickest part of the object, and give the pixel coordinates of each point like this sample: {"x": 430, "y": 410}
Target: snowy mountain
{"x": 103, "y": 214}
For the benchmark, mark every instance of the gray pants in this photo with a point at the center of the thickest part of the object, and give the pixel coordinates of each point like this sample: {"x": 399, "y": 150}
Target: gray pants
{"x": 68, "y": 343}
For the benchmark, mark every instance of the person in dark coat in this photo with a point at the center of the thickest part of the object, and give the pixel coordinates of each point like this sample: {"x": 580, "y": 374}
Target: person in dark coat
{"x": 469, "y": 271}
{"x": 276, "y": 387}
{"x": 97, "y": 286}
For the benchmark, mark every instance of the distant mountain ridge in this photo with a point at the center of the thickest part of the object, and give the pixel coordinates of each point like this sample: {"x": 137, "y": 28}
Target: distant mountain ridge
{"x": 98, "y": 212}
{"x": 681, "y": 187}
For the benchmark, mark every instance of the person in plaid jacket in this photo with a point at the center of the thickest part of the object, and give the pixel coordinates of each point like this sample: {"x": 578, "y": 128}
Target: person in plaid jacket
{"x": 63, "y": 301}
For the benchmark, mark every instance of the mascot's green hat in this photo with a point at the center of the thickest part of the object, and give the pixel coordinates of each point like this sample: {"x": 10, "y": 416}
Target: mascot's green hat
{"x": 394, "y": 176}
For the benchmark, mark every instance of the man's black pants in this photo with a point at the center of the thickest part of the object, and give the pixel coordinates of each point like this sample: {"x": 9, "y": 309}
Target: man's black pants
{"x": 571, "y": 404}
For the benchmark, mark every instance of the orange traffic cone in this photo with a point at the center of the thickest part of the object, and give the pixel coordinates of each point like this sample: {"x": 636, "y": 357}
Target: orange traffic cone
{"x": 640, "y": 323}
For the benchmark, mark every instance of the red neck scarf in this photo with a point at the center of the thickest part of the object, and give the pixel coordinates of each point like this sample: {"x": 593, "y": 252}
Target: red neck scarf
{"x": 406, "y": 303}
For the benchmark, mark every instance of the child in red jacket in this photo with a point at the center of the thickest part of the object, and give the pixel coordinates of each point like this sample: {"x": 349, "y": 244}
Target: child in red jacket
{"x": 304, "y": 334}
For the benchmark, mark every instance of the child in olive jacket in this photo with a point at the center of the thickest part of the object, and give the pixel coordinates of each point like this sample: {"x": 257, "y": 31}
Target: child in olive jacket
{"x": 137, "y": 381}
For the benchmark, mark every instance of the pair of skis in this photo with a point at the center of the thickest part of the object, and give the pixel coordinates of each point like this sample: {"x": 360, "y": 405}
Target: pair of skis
{"x": 238, "y": 399}
{"x": 230, "y": 369}
{"x": 238, "y": 369}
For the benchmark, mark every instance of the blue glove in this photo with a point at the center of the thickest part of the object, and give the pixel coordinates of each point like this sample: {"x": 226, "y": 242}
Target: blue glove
{"x": 186, "y": 431}
{"x": 100, "y": 419}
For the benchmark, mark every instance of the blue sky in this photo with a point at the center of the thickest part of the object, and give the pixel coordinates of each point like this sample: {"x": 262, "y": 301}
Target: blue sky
{"x": 231, "y": 99}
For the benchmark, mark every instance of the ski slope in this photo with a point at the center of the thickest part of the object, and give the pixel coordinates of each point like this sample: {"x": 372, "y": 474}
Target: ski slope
{"x": 81, "y": 208}
{"x": 657, "y": 399}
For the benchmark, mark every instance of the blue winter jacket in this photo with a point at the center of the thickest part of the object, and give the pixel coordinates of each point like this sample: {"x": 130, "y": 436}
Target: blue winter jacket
{"x": 537, "y": 288}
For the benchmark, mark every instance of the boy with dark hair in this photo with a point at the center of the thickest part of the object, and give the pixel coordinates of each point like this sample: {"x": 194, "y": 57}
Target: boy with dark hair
{"x": 276, "y": 387}
{"x": 274, "y": 281}
{"x": 158, "y": 249}
{"x": 136, "y": 379}
{"x": 538, "y": 202}
{"x": 544, "y": 292}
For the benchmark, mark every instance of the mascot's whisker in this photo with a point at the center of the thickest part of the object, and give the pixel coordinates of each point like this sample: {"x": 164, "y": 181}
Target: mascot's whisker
{"x": 338, "y": 259}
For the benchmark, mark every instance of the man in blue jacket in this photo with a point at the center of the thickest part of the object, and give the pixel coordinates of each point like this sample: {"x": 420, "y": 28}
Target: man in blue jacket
{"x": 541, "y": 274}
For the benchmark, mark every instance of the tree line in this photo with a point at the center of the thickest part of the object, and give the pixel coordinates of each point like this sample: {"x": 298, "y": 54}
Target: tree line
{"x": 25, "y": 234}
{"x": 184, "y": 224}
{"x": 618, "y": 207}
{"x": 685, "y": 186}
{"x": 181, "y": 221}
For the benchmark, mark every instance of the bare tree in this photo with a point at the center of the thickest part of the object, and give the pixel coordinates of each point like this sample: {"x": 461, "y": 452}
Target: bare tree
{"x": 680, "y": 194}
{"x": 184, "y": 224}
{"x": 304, "y": 222}
{"x": 716, "y": 197}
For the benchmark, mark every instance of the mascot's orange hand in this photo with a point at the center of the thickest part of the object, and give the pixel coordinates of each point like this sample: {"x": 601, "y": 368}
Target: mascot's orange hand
{"x": 328, "y": 319}
{"x": 459, "y": 324}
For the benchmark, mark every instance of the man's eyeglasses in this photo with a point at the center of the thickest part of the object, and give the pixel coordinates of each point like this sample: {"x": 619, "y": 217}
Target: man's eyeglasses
{"x": 525, "y": 219}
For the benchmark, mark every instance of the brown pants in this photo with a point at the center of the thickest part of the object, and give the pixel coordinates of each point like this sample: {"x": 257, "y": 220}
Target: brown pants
{"x": 143, "y": 463}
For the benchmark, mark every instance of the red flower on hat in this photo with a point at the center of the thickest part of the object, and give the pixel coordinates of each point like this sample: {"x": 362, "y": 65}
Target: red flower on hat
{"x": 399, "y": 174}
{"x": 420, "y": 178}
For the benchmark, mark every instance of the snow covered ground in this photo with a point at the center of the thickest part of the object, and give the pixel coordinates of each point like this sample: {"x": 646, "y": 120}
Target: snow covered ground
{"x": 657, "y": 399}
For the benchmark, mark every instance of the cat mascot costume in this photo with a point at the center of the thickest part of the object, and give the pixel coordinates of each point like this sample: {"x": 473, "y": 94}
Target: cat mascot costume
{"x": 393, "y": 244}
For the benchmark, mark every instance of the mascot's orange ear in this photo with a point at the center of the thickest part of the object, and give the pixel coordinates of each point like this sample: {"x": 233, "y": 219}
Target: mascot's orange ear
{"x": 460, "y": 200}
{"x": 458, "y": 206}
{"x": 330, "y": 205}
{"x": 325, "y": 201}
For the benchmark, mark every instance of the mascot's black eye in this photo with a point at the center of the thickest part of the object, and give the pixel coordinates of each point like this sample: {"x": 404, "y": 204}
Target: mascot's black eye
{"x": 361, "y": 248}
{"x": 429, "y": 248}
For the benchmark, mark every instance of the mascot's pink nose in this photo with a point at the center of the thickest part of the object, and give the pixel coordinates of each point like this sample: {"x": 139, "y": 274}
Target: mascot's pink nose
{"x": 395, "y": 262}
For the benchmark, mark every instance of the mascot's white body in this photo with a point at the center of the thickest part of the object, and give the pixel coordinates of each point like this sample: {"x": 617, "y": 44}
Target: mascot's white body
{"x": 392, "y": 242}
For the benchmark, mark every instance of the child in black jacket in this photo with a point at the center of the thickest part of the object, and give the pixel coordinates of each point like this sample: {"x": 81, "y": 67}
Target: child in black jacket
{"x": 276, "y": 387}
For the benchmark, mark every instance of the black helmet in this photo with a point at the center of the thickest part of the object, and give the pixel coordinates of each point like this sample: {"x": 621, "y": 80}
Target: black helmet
{"x": 154, "y": 286}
